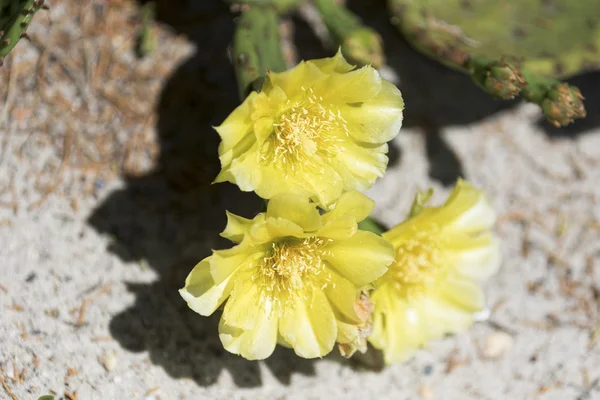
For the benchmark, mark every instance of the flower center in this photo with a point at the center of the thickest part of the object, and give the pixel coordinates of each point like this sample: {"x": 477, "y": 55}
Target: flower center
{"x": 419, "y": 262}
{"x": 291, "y": 267}
{"x": 305, "y": 128}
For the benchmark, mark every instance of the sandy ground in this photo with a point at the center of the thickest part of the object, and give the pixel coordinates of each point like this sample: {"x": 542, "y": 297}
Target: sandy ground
{"x": 105, "y": 206}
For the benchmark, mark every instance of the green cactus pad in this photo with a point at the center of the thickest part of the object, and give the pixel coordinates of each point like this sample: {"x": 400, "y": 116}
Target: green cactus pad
{"x": 510, "y": 47}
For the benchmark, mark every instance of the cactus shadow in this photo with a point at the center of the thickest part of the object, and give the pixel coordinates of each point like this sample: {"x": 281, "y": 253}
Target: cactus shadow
{"x": 170, "y": 219}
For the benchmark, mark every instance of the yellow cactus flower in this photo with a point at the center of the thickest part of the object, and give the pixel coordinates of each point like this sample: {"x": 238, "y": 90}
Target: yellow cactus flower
{"x": 318, "y": 129}
{"x": 432, "y": 288}
{"x": 294, "y": 277}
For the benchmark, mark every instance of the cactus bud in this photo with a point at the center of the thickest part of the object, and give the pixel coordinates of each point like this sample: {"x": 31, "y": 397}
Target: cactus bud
{"x": 562, "y": 104}
{"x": 363, "y": 46}
{"x": 503, "y": 80}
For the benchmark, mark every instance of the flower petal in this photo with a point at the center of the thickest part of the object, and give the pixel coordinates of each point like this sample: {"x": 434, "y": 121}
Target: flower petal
{"x": 201, "y": 293}
{"x": 335, "y": 64}
{"x": 396, "y": 326}
{"x": 360, "y": 165}
{"x": 294, "y": 81}
{"x": 341, "y": 228}
{"x": 351, "y": 203}
{"x": 295, "y": 208}
{"x": 441, "y": 317}
{"x": 362, "y": 258}
{"x": 237, "y": 227}
{"x": 272, "y": 229}
{"x": 242, "y": 171}
{"x": 356, "y": 86}
{"x": 463, "y": 293}
{"x": 224, "y": 262}
{"x": 310, "y": 327}
{"x": 475, "y": 257}
{"x": 377, "y": 119}
{"x": 245, "y": 303}
{"x": 256, "y": 343}
{"x": 467, "y": 209}
{"x": 236, "y": 125}
{"x": 342, "y": 295}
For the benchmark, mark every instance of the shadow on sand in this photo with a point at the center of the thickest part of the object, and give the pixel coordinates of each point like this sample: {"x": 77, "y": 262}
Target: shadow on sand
{"x": 171, "y": 218}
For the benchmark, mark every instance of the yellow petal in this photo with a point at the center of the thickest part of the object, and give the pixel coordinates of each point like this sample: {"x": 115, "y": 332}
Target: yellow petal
{"x": 243, "y": 170}
{"x": 396, "y": 326}
{"x": 310, "y": 326}
{"x": 362, "y": 258}
{"x": 201, "y": 293}
{"x": 342, "y": 295}
{"x": 360, "y": 165}
{"x": 474, "y": 257}
{"x": 272, "y": 229}
{"x": 237, "y": 227}
{"x": 322, "y": 180}
{"x": 227, "y": 155}
{"x": 335, "y": 64}
{"x": 351, "y": 203}
{"x": 295, "y": 208}
{"x": 341, "y": 228}
{"x": 462, "y": 293}
{"x": 293, "y": 80}
{"x": 441, "y": 317}
{"x": 245, "y": 303}
{"x": 236, "y": 125}
{"x": 356, "y": 86}
{"x": 224, "y": 262}
{"x": 467, "y": 209}
{"x": 378, "y": 119}
{"x": 256, "y": 343}
{"x": 263, "y": 128}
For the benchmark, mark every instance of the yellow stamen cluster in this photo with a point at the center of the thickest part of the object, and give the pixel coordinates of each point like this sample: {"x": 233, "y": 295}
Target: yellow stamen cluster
{"x": 419, "y": 262}
{"x": 290, "y": 266}
{"x": 305, "y": 128}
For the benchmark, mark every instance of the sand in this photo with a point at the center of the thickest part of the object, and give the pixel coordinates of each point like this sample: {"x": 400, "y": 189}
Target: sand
{"x": 105, "y": 206}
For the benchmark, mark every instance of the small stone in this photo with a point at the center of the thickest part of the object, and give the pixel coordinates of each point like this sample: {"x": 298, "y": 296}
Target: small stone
{"x": 425, "y": 392}
{"x": 496, "y": 344}
{"x": 108, "y": 360}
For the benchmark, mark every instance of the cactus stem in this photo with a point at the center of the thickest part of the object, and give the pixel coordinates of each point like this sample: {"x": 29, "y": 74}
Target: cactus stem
{"x": 256, "y": 47}
{"x": 14, "y": 23}
{"x": 359, "y": 43}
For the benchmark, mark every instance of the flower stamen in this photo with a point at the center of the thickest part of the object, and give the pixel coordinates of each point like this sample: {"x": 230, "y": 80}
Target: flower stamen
{"x": 419, "y": 262}
{"x": 305, "y": 128}
{"x": 292, "y": 267}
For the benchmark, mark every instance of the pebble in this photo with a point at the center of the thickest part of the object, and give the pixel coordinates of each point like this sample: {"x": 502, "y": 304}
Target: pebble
{"x": 496, "y": 344}
{"x": 425, "y": 392}
{"x": 108, "y": 360}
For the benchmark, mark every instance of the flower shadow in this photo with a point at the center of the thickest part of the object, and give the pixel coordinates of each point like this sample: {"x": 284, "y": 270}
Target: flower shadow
{"x": 170, "y": 219}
